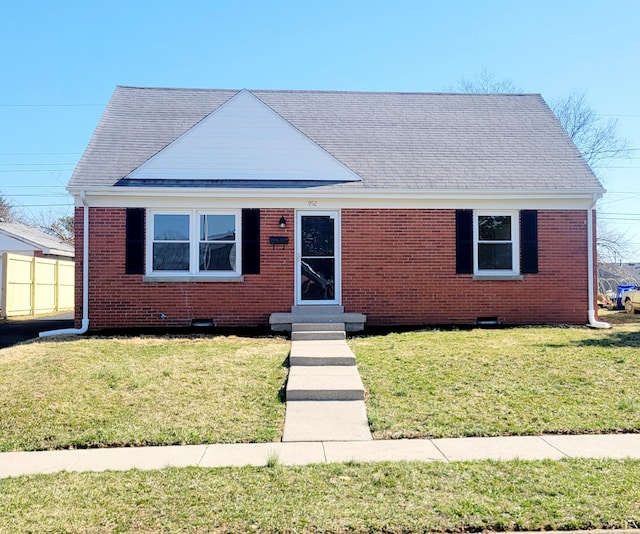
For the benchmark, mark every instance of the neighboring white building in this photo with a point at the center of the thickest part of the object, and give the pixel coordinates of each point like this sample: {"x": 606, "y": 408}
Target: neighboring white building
{"x": 20, "y": 239}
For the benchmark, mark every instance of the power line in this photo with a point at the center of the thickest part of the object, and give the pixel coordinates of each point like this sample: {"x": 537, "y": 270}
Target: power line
{"x": 609, "y": 202}
{"x": 33, "y": 186}
{"x": 37, "y": 170}
{"x": 617, "y": 115}
{"x": 43, "y": 205}
{"x": 32, "y": 164}
{"x": 39, "y": 153}
{"x": 621, "y": 150}
{"x": 622, "y": 213}
{"x": 626, "y": 218}
{"x": 45, "y": 195}
{"x": 50, "y": 105}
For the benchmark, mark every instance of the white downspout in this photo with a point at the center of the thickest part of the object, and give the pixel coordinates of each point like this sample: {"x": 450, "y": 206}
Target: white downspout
{"x": 590, "y": 257}
{"x": 85, "y": 278}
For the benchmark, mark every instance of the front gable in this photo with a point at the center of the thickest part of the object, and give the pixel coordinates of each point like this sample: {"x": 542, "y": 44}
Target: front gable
{"x": 243, "y": 139}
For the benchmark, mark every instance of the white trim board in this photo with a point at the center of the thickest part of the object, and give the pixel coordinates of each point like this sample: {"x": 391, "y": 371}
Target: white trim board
{"x": 236, "y": 199}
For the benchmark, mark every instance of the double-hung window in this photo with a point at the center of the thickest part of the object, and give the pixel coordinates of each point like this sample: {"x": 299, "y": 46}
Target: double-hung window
{"x": 193, "y": 243}
{"x": 217, "y": 244}
{"x": 171, "y": 248}
{"x": 496, "y": 243}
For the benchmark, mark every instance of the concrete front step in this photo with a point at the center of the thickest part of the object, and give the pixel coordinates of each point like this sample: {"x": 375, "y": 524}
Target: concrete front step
{"x": 317, "y": 331}
{"x": 318, "y": 309}
{"x": 324, "y": 383}
{"x": 282, "y": 322}
{"x": 319, "y": 335}
{"x": 326, "y": 421}
{"x": 313, "y": 327}
{"x": 328, "y": 352}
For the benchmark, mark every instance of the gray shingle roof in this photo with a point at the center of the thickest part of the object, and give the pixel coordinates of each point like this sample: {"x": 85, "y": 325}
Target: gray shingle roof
{"x": 424, "y": 141}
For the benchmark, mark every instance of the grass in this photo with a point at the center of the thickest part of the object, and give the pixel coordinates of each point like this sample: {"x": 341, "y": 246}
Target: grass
{"x": 103, "y": 392}
{"x": 389, "y": 497}
{"x": 98, "y": 392}
{"x": 617, "y": 317}
{"x": 517, "y": 381}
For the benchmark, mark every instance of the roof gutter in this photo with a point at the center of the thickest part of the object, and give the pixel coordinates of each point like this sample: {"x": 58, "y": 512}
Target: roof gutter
{"x": 339, "y": 191}
{"x": 85, "y": 279}
{"x": 593, "y": 322}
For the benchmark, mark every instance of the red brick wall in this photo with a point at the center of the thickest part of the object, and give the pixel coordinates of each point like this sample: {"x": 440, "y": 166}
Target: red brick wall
{"x": 119, "y": 300}
{"x": 398, "y": 267}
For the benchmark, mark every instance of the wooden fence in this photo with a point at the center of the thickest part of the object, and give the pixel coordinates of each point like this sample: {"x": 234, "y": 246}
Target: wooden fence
{"x": 35, "y": 286}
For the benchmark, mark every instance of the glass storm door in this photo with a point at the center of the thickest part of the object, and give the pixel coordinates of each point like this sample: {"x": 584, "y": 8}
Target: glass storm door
{"x": 318, "y": 257}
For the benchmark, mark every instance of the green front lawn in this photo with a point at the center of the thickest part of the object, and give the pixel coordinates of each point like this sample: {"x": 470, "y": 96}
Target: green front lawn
{"x": 105, "y": 392}
{"x": 387, "y": 497}
{"x": 516, "y": 381}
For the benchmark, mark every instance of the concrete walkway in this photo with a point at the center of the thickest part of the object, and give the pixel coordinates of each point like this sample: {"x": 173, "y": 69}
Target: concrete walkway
{"x": 13, "y": 464}
{"x": 324, "y": 393}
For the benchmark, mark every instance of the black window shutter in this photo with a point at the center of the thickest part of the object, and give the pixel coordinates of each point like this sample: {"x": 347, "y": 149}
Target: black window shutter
{"x": 134, "y": 248}
{"x": 464, "y": 241}
{"x": 250, "y": 241}
{"x": 529, "y": 241}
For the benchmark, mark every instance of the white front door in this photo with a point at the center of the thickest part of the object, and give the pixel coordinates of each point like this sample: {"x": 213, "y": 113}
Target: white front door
{"x": 318, "y": 257}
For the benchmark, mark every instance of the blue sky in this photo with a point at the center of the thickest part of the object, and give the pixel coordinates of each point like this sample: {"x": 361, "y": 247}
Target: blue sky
{"x": 61, "y": 61}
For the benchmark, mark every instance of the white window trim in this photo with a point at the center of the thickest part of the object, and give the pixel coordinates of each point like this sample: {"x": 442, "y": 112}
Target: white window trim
{"x": 515, "y": 241}
{"x": 193, "y": 274}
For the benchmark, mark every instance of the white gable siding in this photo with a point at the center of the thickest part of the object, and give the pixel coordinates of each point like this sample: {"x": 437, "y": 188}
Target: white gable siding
{"x": 244, "y": 140}
{"x": 10, "y": 244}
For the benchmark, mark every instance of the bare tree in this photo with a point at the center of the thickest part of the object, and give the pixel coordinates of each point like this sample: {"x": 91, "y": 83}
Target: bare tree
{"x": 54, "y": 225}
{"x": 7, "y": 211}
{"x": 485, "y": 82}
{"x": 596, "y": 138}
{"x": 611, "y": 243}
{"x": 63, "y": 228}
{"x": 599, "y": 143}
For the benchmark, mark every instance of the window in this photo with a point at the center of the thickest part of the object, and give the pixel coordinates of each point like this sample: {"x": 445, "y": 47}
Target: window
{"x": 496, "y": 243}
{"x": 170, "y": 242}
{"x": 193, "y": 243}
{"x": 507, "y": 240}
{"x": 217, "y": 250}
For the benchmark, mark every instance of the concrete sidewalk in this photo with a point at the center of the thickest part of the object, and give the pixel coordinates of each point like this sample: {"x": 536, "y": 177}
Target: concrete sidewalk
{"x": 13, "y": 464}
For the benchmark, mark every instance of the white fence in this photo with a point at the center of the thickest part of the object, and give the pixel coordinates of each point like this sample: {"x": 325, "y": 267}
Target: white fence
{"x": 35, "y": 286}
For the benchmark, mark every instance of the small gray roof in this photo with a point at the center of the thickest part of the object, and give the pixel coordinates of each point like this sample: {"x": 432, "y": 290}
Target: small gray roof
{"x": 37, "y": 239}
{"x": 421, "y": 141}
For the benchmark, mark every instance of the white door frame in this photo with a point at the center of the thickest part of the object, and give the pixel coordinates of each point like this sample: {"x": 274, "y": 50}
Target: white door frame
{"x": 337, "y": 233}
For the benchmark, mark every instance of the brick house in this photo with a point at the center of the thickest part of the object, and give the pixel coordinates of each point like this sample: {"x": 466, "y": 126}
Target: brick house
{"x": 238, "y": 208}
